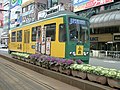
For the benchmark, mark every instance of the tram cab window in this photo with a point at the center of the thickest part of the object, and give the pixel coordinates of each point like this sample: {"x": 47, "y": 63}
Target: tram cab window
{"x": 78, "y": 29}
{"x": 13, "y": 37}
{"x": 19, "y": 36}
{"x": 62, "y": 33}
{"x": 50, "y": 31}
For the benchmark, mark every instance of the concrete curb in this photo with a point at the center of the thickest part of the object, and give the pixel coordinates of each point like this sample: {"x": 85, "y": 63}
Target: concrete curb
{"x": 79, "y": 83}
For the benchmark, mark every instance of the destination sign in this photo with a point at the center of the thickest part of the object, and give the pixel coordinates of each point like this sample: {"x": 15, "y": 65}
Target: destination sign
{"x": 117, "y": 38}
{"x": 77, "y": 21}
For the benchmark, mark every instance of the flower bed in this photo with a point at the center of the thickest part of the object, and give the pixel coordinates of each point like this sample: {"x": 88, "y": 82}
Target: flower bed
{"x": 97, "y": 78}
{"x": 113, "y": 78}
{"x": 98, "y": 74}
{"x": 76, "y": 68}
{"x": 114, "y": 82}
{"x": 19, "y": 55}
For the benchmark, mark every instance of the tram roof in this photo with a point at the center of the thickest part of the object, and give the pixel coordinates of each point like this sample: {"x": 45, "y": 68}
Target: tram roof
{"x": 61, "y": 13}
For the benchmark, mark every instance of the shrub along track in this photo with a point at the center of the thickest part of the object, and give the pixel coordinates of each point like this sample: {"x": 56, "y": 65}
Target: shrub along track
{"x": 82, "y": 84}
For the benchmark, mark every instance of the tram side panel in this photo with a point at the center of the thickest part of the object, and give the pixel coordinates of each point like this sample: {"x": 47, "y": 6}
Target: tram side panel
{"x": 15, "y": 41}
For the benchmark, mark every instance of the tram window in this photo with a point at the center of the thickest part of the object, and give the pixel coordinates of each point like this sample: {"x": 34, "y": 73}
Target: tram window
{"x": 19, "y": 36}
{"x": 84, "y": 34}
{"x": 13, "y": 39}
{"x": 62, "y": 33}
{"x": 50, "y": 31}
{"x": 78, "y": 30}
{"x": 34, "y": 33}
{"x": 39, "y": 31}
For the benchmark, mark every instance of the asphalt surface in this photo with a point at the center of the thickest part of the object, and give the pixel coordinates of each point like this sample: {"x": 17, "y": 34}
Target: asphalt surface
{"x": 107, "y": 63}
{"x": 15, "y": 77}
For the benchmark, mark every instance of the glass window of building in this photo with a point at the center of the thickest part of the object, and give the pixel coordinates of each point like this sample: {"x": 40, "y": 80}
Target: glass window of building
{"x": 23, "y": 9}
{"x": 41, "y": 6}
{"x": 31, "y": 7}
{"x": 54, "y": 2}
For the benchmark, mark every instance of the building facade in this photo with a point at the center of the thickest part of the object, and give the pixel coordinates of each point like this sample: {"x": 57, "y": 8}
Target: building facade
{"x": 30, "y": 10}
{"x": 1, "y": 14}
{"x": 1, "y": 20}
{"x": 67, "y": 4}
{"x": 6, "y": 14}
{"x": 104, "y": 18}
{"x": 15, "y": 13}
{"x": 11, "y": 18}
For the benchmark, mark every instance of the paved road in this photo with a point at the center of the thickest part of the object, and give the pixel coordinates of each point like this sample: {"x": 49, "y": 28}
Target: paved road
{"x": 105, "y": 63}
{"x": 15, "y": 77}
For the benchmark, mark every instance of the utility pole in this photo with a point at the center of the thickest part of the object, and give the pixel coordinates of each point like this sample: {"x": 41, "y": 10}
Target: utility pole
{"x": 9, "y": 11}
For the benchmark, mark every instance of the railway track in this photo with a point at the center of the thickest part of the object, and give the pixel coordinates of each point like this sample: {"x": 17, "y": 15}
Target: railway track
{"x": 17, "y": 77}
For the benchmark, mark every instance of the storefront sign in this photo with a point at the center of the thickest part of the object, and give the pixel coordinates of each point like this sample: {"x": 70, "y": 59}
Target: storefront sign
{"x": 42, "y": 14}
{"x": 16, "y": 18}
{"x": 85, "y": 4}
{"x": 28, "y": 17}
{"x": 15, "y": 3}
{"x": 93, "y": 38}
{"x": 1, "y": 23}
{"x": 117, "y": 38}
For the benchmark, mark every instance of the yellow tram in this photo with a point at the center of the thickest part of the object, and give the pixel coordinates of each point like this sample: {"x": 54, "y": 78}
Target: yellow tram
{"x": 61, "y": 34}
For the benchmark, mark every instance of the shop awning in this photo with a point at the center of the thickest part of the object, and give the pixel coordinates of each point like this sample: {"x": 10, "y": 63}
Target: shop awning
{"x": 105, "y": 19}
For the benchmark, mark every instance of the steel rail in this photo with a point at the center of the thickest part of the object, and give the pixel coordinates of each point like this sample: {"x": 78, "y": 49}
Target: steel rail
{"x": 20, "y": 72}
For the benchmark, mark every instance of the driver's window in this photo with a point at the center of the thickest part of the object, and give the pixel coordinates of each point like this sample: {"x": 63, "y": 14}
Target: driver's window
{"x": 73, "y": 32}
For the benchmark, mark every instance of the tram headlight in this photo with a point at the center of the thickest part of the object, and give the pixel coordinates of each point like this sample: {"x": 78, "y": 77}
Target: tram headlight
{"x": 85, "y": 53}
{"x": 72, "y": 53}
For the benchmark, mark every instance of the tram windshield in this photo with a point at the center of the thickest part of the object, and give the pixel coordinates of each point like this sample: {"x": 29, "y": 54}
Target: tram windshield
{"x": 78, "y": 29}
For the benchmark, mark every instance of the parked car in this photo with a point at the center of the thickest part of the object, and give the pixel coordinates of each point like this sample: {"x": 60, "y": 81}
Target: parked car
{"x": 3, "y": 46}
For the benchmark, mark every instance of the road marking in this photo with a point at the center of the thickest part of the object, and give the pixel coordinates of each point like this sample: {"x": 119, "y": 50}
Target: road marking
{"x": 110, "y": 61}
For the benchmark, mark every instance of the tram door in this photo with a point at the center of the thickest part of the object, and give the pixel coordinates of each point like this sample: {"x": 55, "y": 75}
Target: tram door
{"x": 26, "y": 40}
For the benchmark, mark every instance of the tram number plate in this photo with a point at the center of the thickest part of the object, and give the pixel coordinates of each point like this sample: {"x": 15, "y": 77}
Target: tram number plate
{"x": 79, "y": 50}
